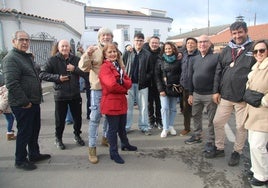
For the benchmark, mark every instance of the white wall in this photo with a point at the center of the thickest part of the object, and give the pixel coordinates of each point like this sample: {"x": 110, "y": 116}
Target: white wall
{"x": 71, "y": 13}
{"x": 32, "y": 27}
{"x": 147, "y": 25}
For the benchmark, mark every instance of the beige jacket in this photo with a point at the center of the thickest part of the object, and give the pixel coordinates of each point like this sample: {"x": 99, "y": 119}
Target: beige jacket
{"x": 4, "y": 106}
{"x": 257, "y": 118}
{"x": 92, "y": 65}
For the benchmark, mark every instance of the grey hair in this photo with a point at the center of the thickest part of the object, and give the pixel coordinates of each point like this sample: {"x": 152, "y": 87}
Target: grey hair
{"x": 104, "y": 31}
{"x": 14, "y": 35}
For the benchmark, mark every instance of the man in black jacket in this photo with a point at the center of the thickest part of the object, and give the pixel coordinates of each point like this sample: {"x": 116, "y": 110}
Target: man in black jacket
{"x": 25, "y": 94}
{"x": 62, "y": 69}
{"x": 139, "y": 69}
{"x": 154, "y": 105}
{"x": 230, "y": 79}
{"x": 189, "y": 53}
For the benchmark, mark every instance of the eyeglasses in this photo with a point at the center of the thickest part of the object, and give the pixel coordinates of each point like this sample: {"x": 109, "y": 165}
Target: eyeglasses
{"x": 259, "y": 50}
{"x": 23, "y": 39}
{"x": 203, "y": 41}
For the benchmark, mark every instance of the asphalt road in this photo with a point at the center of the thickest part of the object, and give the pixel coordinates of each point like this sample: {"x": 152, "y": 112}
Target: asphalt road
{"x": 158, "y": 163}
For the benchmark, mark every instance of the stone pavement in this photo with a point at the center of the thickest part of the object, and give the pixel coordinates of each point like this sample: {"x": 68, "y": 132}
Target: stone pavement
{"x": 158, "y": 162}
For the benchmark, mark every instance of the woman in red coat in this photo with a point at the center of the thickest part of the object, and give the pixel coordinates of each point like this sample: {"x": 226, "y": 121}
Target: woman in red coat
{"x": 115, "y": 84}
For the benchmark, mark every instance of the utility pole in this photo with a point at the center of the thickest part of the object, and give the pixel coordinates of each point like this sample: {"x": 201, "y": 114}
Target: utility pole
{"x": 208, "y": 18}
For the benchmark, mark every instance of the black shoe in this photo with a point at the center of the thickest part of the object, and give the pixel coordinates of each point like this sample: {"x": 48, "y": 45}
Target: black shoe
{"x": 117, "y": 158}
{"x": 79, "y": 140}
{"x": 209, "y": 147}
{"x": 152, "y": 125}
{"x": 59, "y": 144}
{"x": 27, "y": 165}
{"x": 249, "y": 174}
{"x": 39, "y": 157}
{"x": 159, "y": 126}
{"x": 256, "y": 182}
{"x": 193, "y": 140}
{"x": 147, "y": 132}
{"x": 234, "y": 160}
{"x": 128, "y": 148}
{"x": 214, "y": 153}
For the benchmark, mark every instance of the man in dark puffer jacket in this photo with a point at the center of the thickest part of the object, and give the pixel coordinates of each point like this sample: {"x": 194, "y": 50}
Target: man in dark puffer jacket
{"x": 24, "y": 97}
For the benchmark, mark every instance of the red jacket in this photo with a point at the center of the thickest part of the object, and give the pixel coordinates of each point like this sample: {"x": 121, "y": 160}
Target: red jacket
{"x": 113, "y": 101}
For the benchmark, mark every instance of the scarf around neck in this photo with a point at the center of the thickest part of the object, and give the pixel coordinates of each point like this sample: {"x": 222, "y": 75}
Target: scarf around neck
{"x": 169, "y": 58}
{"x": 233, "y": 45}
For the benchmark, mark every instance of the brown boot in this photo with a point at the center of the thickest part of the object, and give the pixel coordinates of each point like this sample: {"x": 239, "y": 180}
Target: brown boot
{"x": 92, "y": 157}
{"x": 11, "y": 136}
{"x": 104, "y": 141}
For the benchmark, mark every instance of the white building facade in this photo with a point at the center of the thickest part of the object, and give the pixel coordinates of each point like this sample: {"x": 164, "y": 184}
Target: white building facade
{"x": 126, "y": 23}
{"x": 44, "y": 31}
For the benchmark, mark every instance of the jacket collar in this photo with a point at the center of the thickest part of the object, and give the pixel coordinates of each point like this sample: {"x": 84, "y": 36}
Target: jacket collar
{"x": 262, "y": 65}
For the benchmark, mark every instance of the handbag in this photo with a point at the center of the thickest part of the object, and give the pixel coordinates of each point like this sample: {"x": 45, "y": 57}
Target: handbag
{"x": 253, "y": 97}
{"x": 174, "y": 90}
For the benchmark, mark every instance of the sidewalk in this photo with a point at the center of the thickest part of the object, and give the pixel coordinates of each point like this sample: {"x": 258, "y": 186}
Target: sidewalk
{"x": 47, "y": 86}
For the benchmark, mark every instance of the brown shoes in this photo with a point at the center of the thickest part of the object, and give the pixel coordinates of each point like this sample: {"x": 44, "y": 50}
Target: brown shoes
{"x": 92, "y": 157}
{"x": 184, "y": 132}
{"x": 104, "y": 141}
{"x": 11, "y": 136}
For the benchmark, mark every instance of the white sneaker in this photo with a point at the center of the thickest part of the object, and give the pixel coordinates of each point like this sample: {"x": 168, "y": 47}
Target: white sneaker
{"x": 164, "y": 133}
{"x": 172, "y": 131}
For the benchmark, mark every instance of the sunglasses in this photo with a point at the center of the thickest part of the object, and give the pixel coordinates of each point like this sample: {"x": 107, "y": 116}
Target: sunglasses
{"x": 259, "y": 50}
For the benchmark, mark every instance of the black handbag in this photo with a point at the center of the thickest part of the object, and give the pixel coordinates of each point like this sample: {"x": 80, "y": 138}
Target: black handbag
{"x": 253, "y": 97}
{"x": 174, "y": 90}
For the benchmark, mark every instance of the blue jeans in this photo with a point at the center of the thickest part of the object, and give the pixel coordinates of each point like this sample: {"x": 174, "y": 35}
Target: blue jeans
{"x": 95, "y": 117}
{"x": 69, "y": 117}
{"x": 82, "y": 83}
{"x": 28, "y": 124}
{"x": 168, "y": 111}
{"x": 10, "y": 120}
{"x": 141, "y": 97}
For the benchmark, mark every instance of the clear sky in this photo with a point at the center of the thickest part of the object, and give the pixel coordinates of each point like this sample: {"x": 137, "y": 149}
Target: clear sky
{"x": 190, "y": 14}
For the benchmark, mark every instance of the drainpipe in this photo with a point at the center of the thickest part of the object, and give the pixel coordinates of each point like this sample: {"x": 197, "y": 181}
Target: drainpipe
{"x": 4, "y": 4}
{"x": 2, "y": 37}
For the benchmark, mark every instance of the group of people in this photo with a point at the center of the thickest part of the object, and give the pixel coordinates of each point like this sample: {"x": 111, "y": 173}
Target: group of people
{"x": 221, "y": 83}
{"x": 154, "y": 77}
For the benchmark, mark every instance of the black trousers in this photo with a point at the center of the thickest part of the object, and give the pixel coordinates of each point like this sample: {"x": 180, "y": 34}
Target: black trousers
{"x": 187, "y": 110}
{"x": 154, "y": 105}
{"x": 117, "y": 124}
{"x": 61, "y": 108}
{"x": 28, "y": 125}
{"x": 88, "y": 102}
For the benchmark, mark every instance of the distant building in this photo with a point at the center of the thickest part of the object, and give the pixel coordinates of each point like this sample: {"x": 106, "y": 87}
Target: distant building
{"x": 125, "y": 23}
{"x": 220, "y": 35}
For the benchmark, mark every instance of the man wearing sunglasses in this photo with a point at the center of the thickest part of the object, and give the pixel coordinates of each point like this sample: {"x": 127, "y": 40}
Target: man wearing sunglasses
{"x": 230, "y": 79}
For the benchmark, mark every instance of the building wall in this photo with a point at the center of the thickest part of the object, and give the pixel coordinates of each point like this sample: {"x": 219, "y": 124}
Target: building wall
{"x": 146, "y": 25}
{"x": 69, "y": 11}
{"x": 33, "y": 27}
{"x": 43, "y": 35}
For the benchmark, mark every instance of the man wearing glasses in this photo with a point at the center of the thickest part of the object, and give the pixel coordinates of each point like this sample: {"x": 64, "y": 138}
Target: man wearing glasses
{"x": 230, "y": 79}
{"x": 24, "y": 97}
